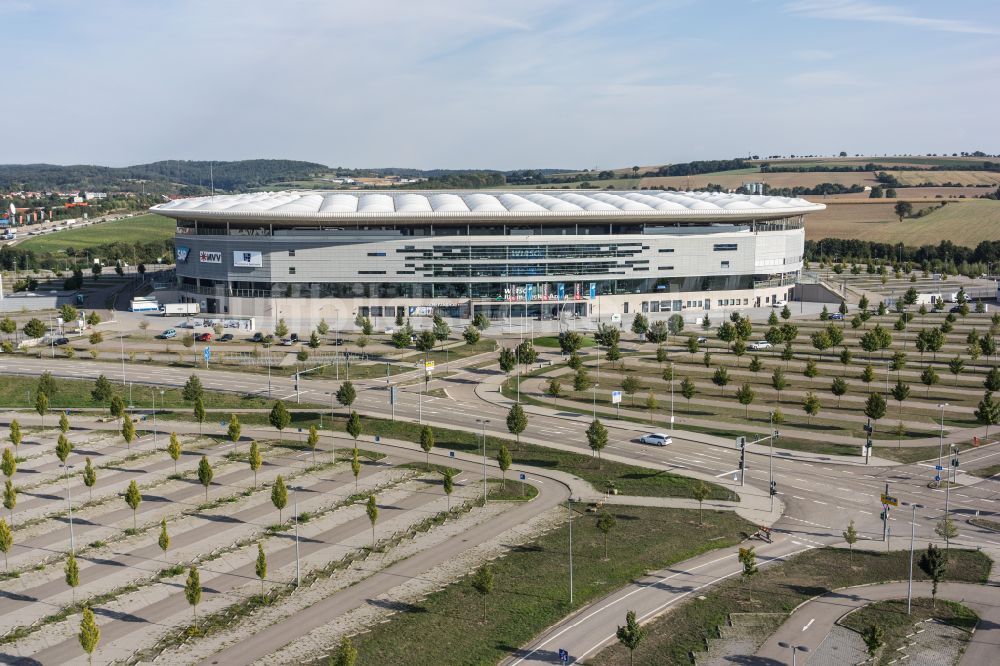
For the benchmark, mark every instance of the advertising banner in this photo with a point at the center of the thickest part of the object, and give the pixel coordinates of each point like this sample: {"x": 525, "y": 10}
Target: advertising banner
{"x": 209, "y": 257}
{"x": 593, "y": 290}
{"x": 246, "y": 259}
{"x": 529, "y": 292}
{"x": 561, "y": 289}
{"x": 182, "y": 254}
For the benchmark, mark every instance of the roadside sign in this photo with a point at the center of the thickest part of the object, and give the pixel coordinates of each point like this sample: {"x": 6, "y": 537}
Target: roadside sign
{"x": 207, "y": 353}
{"x": 937, "y": 477}
{"x": 890, "y": 500}
{"x": 938, "y": 468}
{"x": 522, "y": 476}
{"x": 451, "y": 454}
{"x": 429, "y": 367}
{"x": 616, "y": 397}
{"x": 954, "y": 462}
{"x": 377, "y": 439}
{"x": 392, "y": 395}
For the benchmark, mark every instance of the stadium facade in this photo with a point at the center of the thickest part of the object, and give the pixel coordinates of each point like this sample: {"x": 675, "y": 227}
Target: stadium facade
{"x": 304, "y": 256}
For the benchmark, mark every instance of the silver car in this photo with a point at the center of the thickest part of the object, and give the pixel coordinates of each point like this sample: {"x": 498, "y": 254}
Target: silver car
{"x": 656, "y": 439}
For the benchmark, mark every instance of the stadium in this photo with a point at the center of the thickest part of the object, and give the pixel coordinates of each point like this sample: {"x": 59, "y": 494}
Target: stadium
{"x": 306, "y": 256}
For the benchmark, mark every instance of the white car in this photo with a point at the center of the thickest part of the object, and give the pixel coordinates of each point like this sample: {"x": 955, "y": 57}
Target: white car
{"x": 760, "y": 346}
{"x": 656, "y": 439}
{"x": 779, "y": 304}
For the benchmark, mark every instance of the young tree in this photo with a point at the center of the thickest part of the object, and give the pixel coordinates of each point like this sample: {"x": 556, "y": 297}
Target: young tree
{"x": 346, "y": 395}
{"x": 89, "y": 476}
{"x": 900, "y": 392}
{"x": 503, "y": 461}
{"x": 281, "y": 329}
{"x": 988, "y": 412}
{"x": 63, "y": 448}
{"x": 748, "y": 558}
{"x": 117, "y": 406}
{"x": 345, "y": 654}
{"x": 90, "y": 634}
{"x": 8, "y": 463}
{"x": 199, "y": 414}
{"x": 903, "y": 209}
{"x": 260, "y": 568}
{"x": 371, "y": 508}
{"x": 756, "y": 365}
{"x": 947, "y": 530}
{"x": 192, "y": 589}
{"x": 700, "y": 492}
{"x": 554, "y": 389}
{"x": 874, "y": 637}
{"x": 581, "y": 380}
{"x": 720, "y": 379}
{"x": 192, "y": 389}
{"x": 875, "y": 408}
{"x": 449, "y": 484}
{"x": 322, "y": 327}
{"x": 778, "y": 382}
{"x": 508, "y": 361}
{"x": 929, "y": 377}
{"x": 6, "y": 542}
{"x": 128, "y": 430}
{"x": 279, "y": 495}
{"x": 133, "y": 498}
{"x": 630, "y": 385}
{"x": 355, "y": 467}
{"x": 597, "y": 438}
{"x": 353, "y": 427}
{"x": 63, "y": 423}
{"x": 482, "y": 582}
{"x": 174, "y": 449}
{"x": 314, "y": 341}
{"x": 933, "y": 563}
{"x": 205, "y": 474}
{"x": 605, "y": 523}
{"x": 15, "y": 434}
{"x": 312, "y": 439}
{"x": 838, "y": 388}
{"x": 10, "y": 499}
{"x": 630, "y": 635}
{"x": 164, "y": 539}
{"x": 517, "y": 422}
{"x": 42, "y": 406}
{"x": 810, "y": 370}
{"x": 745, "y": 395}
{"x": 72, "y": 574}
{"x": 640, "y": 325}
{"x": 651, "y": 405}
{"x": 811, "y": 405}
{"x": 851, "y": 537}
{"x": 687, "y": 389}
{"x": 471, "y": 335}
{"x": 255, "y": 460}
{"x": 233, "y": 430}
{"x": 279, "y": 418}
{"x": 427, "y": 442}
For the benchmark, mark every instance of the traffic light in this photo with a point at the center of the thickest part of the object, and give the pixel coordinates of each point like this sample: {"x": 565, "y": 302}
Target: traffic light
{"x": 776, "y": 434}
{"x": 741, "y": 442}
{"x": 869, "y": 429}
{"x": 743, "y": 455}
{"x": 882, "y": 515}
{"x": 774, "y": 488}
{"x": 868, "y": 443}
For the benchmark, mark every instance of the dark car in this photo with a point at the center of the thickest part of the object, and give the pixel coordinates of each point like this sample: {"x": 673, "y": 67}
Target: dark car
{"x": 956, "y": 309}
{"x": 226, "y": 337}
{"x": 61, "y": 341}
{"x": 337, "y": 342}
{"x": 294, "y": 337}
{"x": 257, "y": 337}
{"x": 203, "y": 337}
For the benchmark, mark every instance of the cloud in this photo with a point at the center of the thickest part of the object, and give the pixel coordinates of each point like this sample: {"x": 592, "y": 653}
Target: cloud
{"x": 852, "y": 10}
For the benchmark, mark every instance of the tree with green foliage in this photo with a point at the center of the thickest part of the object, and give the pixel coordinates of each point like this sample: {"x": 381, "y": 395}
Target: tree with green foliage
{"x": 133, "y": 498}
{"x": 15, "y": 434}
{"x": 504, "y": 461}
{"x": 508, "y": 360}
{"x": 89, "y": 476}
{"x": 786, "y": 313}
{"x": 117, "y": 407}
{"x": 260, "y": 568}
{"x": 346, "y": 394}
{"x": 640, "y": 324}
{"x": 947, "y": 530}
{"x": 322, "y": 327}
{"x": 851, "y": 537}
{"x": 255, "y": 460}
{"x": 174, "y": 449}
{"x": 192, "y": 589}
{"x": 63, "y": 448}
{"x": 987, "y": 412}
{"x": 8, "y": 463}
{"x": 427, "y": 443}
{"x": 929, "y": 377}
{"x": 903, "y": 209}
{"x": 630, "y": 635}
{"x": 47, "y": 385}
{"x": 448, "y": 483}
{"x": 745, "y": 395}
{"x": 234, "y": 429}
{"x": 659, "y": 331}
{"x": 193, "y": 389}
{"x": 748, "y": 560}
{"x": 345, "y": 654}
{"x": 482, "y": 582}
{"x": 279, "y": 495}
{"x": 163, "y": 541}
{"x": 354, "y": 427}
{"x": 481, "y": 321}
{"x": 581, "y": 380}
{"x": 63, "y": 423}
{"x": 471, "y": 335}
{"x": 6, "y": 542}
{"x": 90, "y": 634}
{"x": 838, "y": 388}
{"x": 281, "y": 329}
{"x": 811, "y": 405}
{"x": 597, "y": 439}
{"x": 371, "y": 508}
{"x": 688, "y": 389}
{"x": 312, "y": 439}
{"x": 875, "y": 408}
{"x": 128, "y": 430}
{"x": 553, "y": 389}
{"x": 103, "y": 389}
{"x": 279, "y": 418}
{"x": 721, "y": 378}
{"x": 355, "y": 467}
{"x": 71, "y": 571}
{"x": 42, "y": 406}
{"x": 35, "y": 328}
{"x": 205, "y": 474}
{"x": 874, "y": 636}
{"x": 10, "y": 499}
{"x": 933, "y": 562}
{"x": 605, "y": 523}
{"x": 631, "y": 385}
{"x": 992, "y": 380}
{"x": 700, "y": 492}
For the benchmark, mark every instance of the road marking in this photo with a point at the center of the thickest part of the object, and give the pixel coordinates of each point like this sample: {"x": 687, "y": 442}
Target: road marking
{"x": 808, "y": 624}
{"x": 818, "y": 502}
{"x": 727, "y": 473}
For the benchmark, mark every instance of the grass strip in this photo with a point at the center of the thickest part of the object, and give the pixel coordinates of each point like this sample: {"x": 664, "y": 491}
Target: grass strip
{"x": 777, "y": 588}
{"x": 893, "y": 618}
{"x": 531, "y": 585}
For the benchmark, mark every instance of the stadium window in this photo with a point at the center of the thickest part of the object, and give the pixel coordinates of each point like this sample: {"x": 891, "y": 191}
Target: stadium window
{"x": 668, "y": 249}
{"x": 725, "y": 264}
{"x": 724, "y": 247}
{"x": 666, "y": 268}
{"x": 291, "y": 269}
{"x": 376, "y": 254}
{"x": 291, "y": 253}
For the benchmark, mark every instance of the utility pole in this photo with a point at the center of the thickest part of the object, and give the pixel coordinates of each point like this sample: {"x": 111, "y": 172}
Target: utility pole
{"x": 672, "y": 397}
{"x": 909, "y": 584}
{"x": 569, "y": 508}
{"x": 295, "y": 509}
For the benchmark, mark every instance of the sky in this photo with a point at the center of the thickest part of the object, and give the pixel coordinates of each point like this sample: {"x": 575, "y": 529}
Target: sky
{"x": 503, "y": 84}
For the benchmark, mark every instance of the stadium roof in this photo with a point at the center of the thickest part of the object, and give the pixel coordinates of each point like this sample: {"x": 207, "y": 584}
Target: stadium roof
{"x": 311, "y": 206}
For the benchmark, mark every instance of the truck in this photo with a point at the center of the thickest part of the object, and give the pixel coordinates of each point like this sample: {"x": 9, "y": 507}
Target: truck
{"x": 144, "y": 304}
{"x": 181, "y": 309}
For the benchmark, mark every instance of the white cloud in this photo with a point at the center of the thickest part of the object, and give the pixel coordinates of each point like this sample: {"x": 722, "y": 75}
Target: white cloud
{"x": 859, "y": 10}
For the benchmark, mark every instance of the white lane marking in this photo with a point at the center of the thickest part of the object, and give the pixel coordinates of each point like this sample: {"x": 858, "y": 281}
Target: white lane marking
{"x": 808, "y": 624}
{"x": 727, "y": 473}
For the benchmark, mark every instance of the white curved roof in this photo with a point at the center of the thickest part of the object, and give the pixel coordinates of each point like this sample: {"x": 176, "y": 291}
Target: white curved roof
{"x": 411, "y": 204}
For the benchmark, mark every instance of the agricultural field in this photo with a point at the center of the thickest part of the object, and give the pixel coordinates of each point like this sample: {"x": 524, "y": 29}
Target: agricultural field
{"x": 143, "y": 228}
{"x": 965, "y": 222}
{"x": 734, "y": 179}
{"x": 937, "y": 177}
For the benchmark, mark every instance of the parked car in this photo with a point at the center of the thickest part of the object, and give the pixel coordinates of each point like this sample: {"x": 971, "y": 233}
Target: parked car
{"x": 956, "y": 309}
{"x": 257, "y": 337}
{"x": 702, "y": 340}
{"x": 227, "y": 337}
{"x": 203, "y": 337}
{"x": 779, "y": 304}
{"x": 167, "y": 334}
{"x": 760, "y": 346}
{"x": 61, "y": 341}
{"x": 336, "y": 342}
{"x": 836, "y": 316}
{"x": 294, "y": 337}
{"x": 286, "y": 342}
{"x": 656, "y": 439}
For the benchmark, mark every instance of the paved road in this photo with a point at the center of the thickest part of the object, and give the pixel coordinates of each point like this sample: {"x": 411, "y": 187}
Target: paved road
{"x": 811, "y": 622}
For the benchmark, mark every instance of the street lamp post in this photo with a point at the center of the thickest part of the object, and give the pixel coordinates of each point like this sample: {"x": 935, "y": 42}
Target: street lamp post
{"x": 122, "y": 339}
{"x": 595, "y": 402}
{"x": 770, "y": 459}
{"x": 671, "y": 397}
{"x": 295, "y": 510}
{"x": 484, "y": 422}
{"x": 941, "y": 433}
{"x": 569, "y": 508}
{"x": 69, "y": 504}
{"x": 793, "y": 648}
{"x": 909, "y": 584}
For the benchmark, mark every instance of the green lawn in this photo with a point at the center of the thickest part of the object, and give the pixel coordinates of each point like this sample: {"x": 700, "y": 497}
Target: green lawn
{"x": 552, "y": 341}
{"x": 531, "y": 586}
{"x": 777, "y": 588}
{"x": 139, "y": 229}
{"x": 893, "y": 618}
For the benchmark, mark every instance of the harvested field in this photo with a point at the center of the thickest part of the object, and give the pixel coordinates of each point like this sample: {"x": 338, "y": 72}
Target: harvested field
{"x": 937, "y": 177}
{"x": 965, "y": 222}
{"x": 733, "y": 179}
